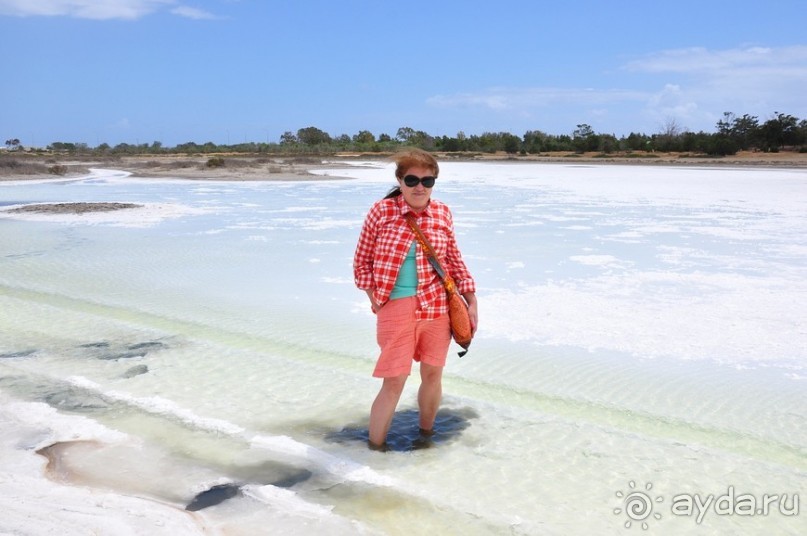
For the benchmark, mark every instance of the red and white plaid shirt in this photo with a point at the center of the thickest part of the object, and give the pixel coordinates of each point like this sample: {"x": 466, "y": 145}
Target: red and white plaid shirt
{"x": 384, "y": 242}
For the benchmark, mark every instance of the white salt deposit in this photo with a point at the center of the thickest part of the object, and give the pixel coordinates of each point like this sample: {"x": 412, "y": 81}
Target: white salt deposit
{"x": 639, "y": 325}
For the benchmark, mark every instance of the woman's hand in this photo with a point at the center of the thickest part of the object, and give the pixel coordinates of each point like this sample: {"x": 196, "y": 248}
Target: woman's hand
{"x": 473, "y": 314}
{"x": 373, "y": 304}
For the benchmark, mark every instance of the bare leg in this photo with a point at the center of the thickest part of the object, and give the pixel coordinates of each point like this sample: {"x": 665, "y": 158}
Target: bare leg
{"x": 429, "y": 394}
{"x": 383, "y": 408}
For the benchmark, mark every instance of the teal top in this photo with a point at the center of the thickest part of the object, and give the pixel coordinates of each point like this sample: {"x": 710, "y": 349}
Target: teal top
{"x": 407, "y": 283}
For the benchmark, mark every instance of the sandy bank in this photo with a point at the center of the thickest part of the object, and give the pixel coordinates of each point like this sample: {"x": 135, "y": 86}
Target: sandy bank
{"x": 226, "y": 168}
{"x": 262, "y": 168}
{"x": 73, "y": 208}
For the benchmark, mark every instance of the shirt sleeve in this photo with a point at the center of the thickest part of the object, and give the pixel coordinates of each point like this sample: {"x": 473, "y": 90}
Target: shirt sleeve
{"x": 365, "y": 250}
{"x": 454, "y": 264}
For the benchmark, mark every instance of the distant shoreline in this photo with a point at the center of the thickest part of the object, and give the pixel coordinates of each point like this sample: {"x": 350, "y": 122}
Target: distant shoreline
{"x": 239, "y": 167}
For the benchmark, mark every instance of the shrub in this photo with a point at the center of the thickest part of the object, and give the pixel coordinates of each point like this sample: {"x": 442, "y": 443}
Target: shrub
{"x": 57, "y": 169}
{"x": 9, "y": 163}
{"x": 215, "y": 162}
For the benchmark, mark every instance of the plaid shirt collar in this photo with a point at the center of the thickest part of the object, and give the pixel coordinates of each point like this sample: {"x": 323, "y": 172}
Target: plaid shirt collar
{"x": 405, "y": 208}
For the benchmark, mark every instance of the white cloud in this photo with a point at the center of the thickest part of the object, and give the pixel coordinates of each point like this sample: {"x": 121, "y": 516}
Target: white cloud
{"x": 700, "y": 84}
{"x": 96, "y": 9}
{"x": 671, "y": 102}
{"x": 514, "y": 98}
{"x": 751, "y": 72}
{"x": 694, "y": 86}
{"x": 192, "y": 13}
{"x": 787, "y": 61}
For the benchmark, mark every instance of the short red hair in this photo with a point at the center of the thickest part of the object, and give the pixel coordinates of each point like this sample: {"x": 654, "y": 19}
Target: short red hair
{"x": 410, "y": 158}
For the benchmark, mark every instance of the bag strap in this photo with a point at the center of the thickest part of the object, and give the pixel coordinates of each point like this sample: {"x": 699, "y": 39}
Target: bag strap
{"x": 448, "y": 281}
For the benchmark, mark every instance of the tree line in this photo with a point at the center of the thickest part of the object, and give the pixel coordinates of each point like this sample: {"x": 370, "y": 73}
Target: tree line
{"x": 732, "y": 134}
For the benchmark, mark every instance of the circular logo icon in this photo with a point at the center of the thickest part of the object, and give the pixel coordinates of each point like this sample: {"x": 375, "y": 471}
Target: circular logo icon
{"x": 637, "y": 505}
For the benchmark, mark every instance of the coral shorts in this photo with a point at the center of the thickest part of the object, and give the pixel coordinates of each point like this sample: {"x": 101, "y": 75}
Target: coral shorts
{"x": 403, "y": 339}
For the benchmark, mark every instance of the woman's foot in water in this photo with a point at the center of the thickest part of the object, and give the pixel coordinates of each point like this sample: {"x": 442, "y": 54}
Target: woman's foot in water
{"x": 383, "y": 447}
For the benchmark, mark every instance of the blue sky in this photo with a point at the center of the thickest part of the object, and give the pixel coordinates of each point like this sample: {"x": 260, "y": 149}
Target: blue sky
{"x": 228, "y": 71}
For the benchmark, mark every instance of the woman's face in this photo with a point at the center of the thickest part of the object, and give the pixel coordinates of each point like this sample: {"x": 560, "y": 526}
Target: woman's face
{"x": 416, "y": 196}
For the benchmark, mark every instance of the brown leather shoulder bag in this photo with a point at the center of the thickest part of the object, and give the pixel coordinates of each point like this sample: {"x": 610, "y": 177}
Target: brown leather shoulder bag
{"x": 460, "y": 321}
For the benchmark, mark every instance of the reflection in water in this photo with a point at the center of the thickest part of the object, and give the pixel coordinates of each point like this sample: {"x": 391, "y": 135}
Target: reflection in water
{"x": 213, "y": 496}
{"x": 404, "y": 434}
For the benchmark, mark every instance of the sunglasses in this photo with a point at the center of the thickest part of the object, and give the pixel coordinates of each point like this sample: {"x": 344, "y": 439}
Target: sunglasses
{"x": 412, "y": 181}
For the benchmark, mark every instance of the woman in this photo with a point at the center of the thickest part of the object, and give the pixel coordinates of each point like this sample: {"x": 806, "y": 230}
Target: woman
{"x": 406, "y": 293}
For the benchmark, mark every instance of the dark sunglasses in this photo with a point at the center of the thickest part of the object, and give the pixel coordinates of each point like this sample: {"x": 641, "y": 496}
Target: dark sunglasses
{"x": 412, "y": 181}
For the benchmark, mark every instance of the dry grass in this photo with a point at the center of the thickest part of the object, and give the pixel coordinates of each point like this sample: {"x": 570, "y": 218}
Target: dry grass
{"x": 14, "y": 166}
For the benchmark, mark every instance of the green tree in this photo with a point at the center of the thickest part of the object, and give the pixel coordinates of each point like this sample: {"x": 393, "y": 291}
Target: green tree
{"x": 189, "y": 148}
{"x": 62, "y": 147}
{"x": 511, "y": 144}
{"x": 404, "y": 134}
{"x": 699, "y": 142}
{"x": 313, "y": 136}
{"x": 535, "y": 141}
{"x": 607, "y": 143}
{"x": 802, "y": 136}
{"x": 740, "y": 130}
{"x": 364, "y": 136}
{"x": 725, "y": 125}
{"x": 780, "y": 131}
{"x": 487, "y": 142}
{"x": 13, "y": 144}
{"x": 720, "y": 145}
{"x": 636, "y": 142}
{"x": 288, "y": 138}
{"x": 422, "y": 140}
{"x": 449, "y": 145}
{"x": 585, "y": 139}
{"x": 745, "y": 131}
